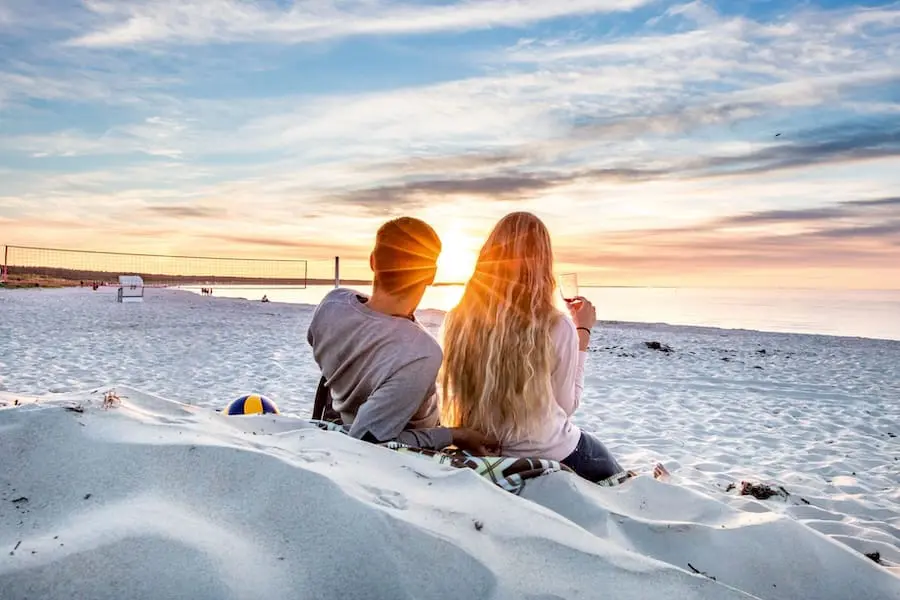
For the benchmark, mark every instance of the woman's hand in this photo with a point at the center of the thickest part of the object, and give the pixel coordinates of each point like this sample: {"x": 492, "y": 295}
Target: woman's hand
{"x": 474, "y": 442}
{"x": 583, "y": 312}
{"x": 585, "y": 315}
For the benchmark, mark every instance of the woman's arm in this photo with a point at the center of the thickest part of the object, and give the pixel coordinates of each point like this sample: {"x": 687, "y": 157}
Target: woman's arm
{"x": 567, "y": 378}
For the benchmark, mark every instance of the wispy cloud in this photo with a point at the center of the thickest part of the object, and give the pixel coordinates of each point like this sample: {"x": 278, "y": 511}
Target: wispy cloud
{"x": 857, "y": 234}
{"x": 406, "y": 194}
{"x": 823, "y": 219}
{"x": 185, "y": 212}
{"x": 198, "y": 21}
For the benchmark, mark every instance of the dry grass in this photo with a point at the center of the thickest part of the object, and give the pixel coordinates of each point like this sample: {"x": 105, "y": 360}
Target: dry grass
{"x": 33, "y": 281}
{"x": 110, "y": 400}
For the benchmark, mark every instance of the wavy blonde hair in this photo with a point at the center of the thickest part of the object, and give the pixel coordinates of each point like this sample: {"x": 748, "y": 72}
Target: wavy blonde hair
{"x": 498, "y": 353}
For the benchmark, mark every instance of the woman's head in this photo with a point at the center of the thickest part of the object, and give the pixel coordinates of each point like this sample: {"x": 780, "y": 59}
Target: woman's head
{"x": 498, "y": 353}
{"x": 514, "y": 270}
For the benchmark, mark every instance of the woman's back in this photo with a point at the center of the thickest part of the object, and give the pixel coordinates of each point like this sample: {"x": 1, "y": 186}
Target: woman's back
{"x": 510, "y": 356}
{"x": 554, "y": 436}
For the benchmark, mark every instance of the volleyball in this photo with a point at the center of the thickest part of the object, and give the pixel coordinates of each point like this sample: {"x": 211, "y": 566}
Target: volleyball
{"x": 252, "y": 404}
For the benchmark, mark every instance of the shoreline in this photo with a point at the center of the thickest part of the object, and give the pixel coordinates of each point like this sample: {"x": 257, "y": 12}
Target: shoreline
{"x": 439, "y": 313}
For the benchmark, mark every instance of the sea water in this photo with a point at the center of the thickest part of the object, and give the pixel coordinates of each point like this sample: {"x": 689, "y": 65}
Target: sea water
{"x": 862, "y": 313}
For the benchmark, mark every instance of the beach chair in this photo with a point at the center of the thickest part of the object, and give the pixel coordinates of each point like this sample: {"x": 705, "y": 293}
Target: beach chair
{"x": 131, "y": 289}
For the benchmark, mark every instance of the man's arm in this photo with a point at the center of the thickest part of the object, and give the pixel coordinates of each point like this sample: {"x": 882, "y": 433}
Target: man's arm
{"x": 434, "y": 438}
{"x": 385, "y": 415}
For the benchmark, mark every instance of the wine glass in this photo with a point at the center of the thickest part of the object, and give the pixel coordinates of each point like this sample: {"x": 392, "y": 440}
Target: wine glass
{"x": 568, "y": 287}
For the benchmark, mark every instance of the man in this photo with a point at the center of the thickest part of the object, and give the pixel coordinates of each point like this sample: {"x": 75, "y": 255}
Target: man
{"x": 379, "y": 366}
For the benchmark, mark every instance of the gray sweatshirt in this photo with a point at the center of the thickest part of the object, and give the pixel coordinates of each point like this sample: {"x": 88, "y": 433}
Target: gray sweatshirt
{"x": 380, "y": 370}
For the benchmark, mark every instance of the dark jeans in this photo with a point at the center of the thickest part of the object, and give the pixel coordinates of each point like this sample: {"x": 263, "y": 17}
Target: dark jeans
{"x": 592, "y": 460}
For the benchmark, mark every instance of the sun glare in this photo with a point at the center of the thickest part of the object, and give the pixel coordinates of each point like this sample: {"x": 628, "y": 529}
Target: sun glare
{"x": 458, "y": 255}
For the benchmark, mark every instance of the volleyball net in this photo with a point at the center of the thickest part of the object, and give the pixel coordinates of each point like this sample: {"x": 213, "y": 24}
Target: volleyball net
{"x": 155, "y": 269}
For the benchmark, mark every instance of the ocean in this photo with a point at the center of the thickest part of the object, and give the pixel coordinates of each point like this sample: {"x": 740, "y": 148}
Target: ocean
{"x": 855, "y": 313}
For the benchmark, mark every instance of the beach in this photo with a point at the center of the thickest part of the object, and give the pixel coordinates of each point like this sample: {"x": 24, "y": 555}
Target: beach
{"x": 158, "y": 493}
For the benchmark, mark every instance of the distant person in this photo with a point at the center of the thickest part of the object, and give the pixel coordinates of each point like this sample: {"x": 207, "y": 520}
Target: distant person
{"x": 379, "y": 366}
{"x": 513, "y": 363}
{"x": 265, "y": 298}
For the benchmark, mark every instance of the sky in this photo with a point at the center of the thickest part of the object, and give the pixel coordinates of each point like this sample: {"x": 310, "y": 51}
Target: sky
{"x": 752, "y": 143}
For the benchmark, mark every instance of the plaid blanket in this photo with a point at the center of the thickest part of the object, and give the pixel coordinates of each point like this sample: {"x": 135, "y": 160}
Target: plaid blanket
{"x": 509, "y": 473}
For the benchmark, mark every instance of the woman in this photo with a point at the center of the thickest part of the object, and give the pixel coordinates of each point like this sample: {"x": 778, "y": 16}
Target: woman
{"x": 513, "y": 363}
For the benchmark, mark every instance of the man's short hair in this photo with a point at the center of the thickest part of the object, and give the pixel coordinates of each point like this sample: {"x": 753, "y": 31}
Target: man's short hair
{"x": 405, "y": 255}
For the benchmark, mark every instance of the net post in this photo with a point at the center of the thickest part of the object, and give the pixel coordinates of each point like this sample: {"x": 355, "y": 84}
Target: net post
{"x": 305, "y": 274}
{"x": 337, "y": 271}
{"x": 4, "y": 276}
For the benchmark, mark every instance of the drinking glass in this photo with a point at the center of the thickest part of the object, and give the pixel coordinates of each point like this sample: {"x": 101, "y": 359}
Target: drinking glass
{"x": 568, "y": 286}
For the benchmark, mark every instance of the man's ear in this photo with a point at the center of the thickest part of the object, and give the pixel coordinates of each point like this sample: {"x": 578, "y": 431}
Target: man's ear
{"x": 372, "y": 261}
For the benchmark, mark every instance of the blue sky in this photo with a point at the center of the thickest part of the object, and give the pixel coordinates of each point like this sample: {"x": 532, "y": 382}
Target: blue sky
{"x": 643, "y": 132}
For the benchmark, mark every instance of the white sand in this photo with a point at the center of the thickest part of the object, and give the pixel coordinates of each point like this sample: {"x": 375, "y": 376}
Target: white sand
{"x": 186, "y": 502}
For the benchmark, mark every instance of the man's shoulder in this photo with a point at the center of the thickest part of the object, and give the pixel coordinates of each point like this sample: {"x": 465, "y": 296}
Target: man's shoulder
{"x": 340, "y": 295}
{"x": 337, "y": 300}
{"x": 341, "y": 309}
{"x": 428, "y": 346}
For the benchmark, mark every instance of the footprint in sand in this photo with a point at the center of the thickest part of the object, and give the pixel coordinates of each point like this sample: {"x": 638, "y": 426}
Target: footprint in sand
{"x": 388, "y": 498}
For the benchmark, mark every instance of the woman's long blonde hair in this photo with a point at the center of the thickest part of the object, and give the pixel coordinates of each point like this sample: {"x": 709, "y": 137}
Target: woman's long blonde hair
{"x": 498, "y": 353}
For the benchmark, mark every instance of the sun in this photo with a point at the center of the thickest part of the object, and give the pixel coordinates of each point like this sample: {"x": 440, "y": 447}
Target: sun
{"x": 458, "y": 254}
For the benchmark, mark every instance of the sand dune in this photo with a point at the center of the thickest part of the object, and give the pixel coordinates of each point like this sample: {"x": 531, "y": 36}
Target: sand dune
{"x": 152, "y": 499}
{"x": 763, "y": 553}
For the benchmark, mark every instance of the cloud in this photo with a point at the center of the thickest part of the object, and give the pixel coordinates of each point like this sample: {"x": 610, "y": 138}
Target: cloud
{"x": 509, "y": 186}
{"x": 414, "y": 193}
{"x": 271, "y": 242}
{"x": 848, "y": 143}
{"x": 780, "y": 216}
{"x": 890, "y": 202}
{"x": 198, "y": 21}
{"x": 891, "y": 231}
{"x": 456, "y": 163}
{"x": 186, "y": 212}
{"x": 541, "y": 102}
{"x": 883, "y": 207}
{"x": 859, "y": 234}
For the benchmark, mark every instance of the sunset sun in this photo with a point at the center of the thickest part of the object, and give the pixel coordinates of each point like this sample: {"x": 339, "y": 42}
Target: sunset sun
{"x": 458, "y": 254}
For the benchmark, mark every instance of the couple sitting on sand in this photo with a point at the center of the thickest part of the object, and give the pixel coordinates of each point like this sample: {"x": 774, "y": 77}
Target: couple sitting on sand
{"x": 512, "y": 367}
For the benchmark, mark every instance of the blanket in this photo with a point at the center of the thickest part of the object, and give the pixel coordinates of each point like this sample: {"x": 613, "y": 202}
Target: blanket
{"x": 507, "y": 472}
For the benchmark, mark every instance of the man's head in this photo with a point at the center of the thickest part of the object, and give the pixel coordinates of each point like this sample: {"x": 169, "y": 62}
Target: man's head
{"x": 405, "y": 257}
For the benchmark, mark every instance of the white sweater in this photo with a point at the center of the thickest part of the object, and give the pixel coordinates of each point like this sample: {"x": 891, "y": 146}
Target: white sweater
{"x": 558, "y": 437}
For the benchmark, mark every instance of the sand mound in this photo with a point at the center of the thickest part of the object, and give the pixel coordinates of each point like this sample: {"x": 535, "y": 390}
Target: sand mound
{"x": 762, "y": 552}
{"x": 155, "y": 499}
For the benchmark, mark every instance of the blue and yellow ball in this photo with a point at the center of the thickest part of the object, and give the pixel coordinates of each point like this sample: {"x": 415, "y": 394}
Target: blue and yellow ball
{"x": 252, "y": 404}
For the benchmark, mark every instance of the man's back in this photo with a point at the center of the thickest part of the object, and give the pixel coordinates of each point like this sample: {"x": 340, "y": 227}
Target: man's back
{"x": 380, "y": 369}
